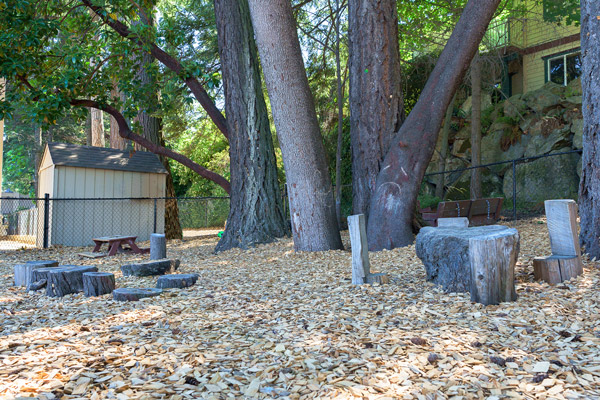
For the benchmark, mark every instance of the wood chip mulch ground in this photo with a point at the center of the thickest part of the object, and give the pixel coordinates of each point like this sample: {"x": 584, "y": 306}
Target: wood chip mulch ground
{"x": 271, "y": 323}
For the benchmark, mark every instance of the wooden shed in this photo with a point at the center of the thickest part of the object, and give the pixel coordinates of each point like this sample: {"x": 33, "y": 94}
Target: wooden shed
{"x": 96, "y": 191}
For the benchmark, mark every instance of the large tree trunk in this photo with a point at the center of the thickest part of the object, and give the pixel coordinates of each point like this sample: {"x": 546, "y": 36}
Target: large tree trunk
{"x": 256, "y": 213}
{"x": 2, "y": 94}
{"x": 312, "y": 207}
{"x": 376, "y": 105}
{"x": 589, "y": 188}
{"x": 97, "y": 128}
{"x": 116, "y": 141}
{"x": 476, "y": 127}
{"x": 439, "y": 187}
{"x": 398, "y": 183}
{"x": 152, "y": 130}
{"x": 340, "y": 126}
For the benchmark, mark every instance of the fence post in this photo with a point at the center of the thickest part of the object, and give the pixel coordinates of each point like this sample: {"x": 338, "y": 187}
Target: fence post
{"x": 206, "y": 214}
{"x": 514, "y": 171}
{"x": 154, "y": 216}
{"x": 46, "y": 218}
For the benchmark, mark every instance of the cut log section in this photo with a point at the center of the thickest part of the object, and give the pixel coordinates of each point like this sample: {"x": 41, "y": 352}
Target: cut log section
{"x": 24, "y": 272}
{"x": 66, "y": 279}
{"x": 493, "y": 259}
{"x": 129, "y": 294}
{"x": 360, "y": 249}
{"x": 556, "y": 269}
{"x": 178, "y": 281}
{"x": 381, "y": 278}
{"x": 561, "y": 218}
{"x": 148, "y": 268}
{"x": 98, "y": 283}
{"x": 458, "y": 222}
{"x": 158, "y": 246}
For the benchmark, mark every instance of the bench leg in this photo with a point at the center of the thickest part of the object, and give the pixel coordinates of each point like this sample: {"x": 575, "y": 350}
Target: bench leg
{"x": 97, "y": 247}
{"x": 133, "y": 246}
{"x": 114, "y": 247}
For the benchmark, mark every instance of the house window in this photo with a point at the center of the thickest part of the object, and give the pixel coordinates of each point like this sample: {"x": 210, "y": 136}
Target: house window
{"x": 562, "y": 69}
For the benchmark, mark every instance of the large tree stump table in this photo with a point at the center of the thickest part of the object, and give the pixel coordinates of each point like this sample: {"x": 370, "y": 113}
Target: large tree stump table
{"x": 115, "y": 244}
{"x": 446, "y": 254}
{"x": 135, "y": 294}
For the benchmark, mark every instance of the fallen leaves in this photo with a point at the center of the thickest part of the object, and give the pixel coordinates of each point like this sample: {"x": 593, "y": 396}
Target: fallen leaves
{"x": 271, "y": 323}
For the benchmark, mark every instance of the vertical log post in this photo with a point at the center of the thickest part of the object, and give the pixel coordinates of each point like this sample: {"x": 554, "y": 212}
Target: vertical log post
{"x": 493, "y": 258}
{"x": 158, "y": 246}
{"x": 360, "y": 249}
{"x": 565, "y": 261}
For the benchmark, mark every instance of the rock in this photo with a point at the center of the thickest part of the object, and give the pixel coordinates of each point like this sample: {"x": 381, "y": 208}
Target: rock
{"x": 577, "y": 130}
{"x": 574, "y": 88}
{"x": 147, "y": 268}
{"x": 486, "y": 101}
{"x": 515, "y": 107}
{"x": 540, "y": 144}
{"x": 491, "y": 151}
{"x": 491, "y": 185}
{"x": 178, "y": 281}
{"x": 543, "y": 98}
{"x": 130, "y": 294}
{"x": 445, "y": 254}
{"x": 527, "y": 122}
{"x": 543, "y": 179}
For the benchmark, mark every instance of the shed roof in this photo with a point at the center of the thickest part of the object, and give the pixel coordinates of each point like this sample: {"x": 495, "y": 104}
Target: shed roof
{"x": 72, "y": 155}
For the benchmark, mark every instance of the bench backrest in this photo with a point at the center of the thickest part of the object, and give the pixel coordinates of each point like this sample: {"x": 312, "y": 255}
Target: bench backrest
{"x": 485, "y": 211}
{"x": 453, "y": 209}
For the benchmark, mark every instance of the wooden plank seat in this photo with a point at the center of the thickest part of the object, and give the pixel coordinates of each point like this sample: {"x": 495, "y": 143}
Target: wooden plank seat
{"x": 115, "y": 244}
{"x": 479, "y": 211}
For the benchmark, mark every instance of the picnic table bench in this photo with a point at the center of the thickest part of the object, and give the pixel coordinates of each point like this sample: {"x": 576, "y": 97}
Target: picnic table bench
{"x": 115, "y": 243}
{"x": 479, "y": 211}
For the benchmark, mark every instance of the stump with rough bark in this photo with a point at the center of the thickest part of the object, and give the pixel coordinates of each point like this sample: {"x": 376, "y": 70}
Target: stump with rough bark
{"x": 158, "y": 246}
{"x": 556, "y": 269}
{"x": 445, "y": 254}
{"x": 360, "y": 249}
{"x": 24, "y": 272}
{"x": 493, "y": 258}
{"x": 147, "y": 268}
{"x": 66, "y": 279}
{"x": 98, "y": 283}
{"x": 33, "y": 286}
{"x": 178, "y": 281}
{"x": 131, "y": 294}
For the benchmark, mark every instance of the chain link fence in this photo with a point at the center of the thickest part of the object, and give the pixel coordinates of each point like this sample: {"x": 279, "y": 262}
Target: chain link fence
{"x": 44, "y": 222}
{"x": 523, "y": 183}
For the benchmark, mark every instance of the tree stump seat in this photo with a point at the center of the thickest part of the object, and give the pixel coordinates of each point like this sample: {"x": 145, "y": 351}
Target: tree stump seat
{"x": 24, "y": 272}
{"x": 452, "y": 257}
{"x": 158, "y": 246}
{"x": 66, "y": 279}
{"x": 135, "y": 294}
{"x": 177, "y": 281}
{"x": 98, "y": 283}
{"x": 147, "y": 268}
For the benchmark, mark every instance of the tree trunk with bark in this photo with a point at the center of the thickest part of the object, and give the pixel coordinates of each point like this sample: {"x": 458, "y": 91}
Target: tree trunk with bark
{"x": 393, "y": 202}
{"x": 439, "y": 187}
{"x": 152, "y": 130}
{"x": 116, "y": 141}
{"x": 312, "y": 206}
{"x": 589, "y": 188}
{"x": 256, "y": 209}
{"x": 97, "y": 129}
{"x": 340, "y": 126}
{"x": 376, "y": 104}
{"x": 476, "y": 127}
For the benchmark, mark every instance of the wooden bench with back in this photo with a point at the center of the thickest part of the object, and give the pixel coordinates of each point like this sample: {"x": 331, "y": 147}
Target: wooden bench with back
{"x": 479, "y": 211}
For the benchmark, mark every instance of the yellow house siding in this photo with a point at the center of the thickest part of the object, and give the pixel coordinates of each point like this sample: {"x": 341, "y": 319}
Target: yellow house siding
{"x": 534, "y": 68}
{"x": 537, "y": 31}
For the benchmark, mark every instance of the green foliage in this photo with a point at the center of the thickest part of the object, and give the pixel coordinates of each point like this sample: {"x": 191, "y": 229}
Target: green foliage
{"x": 562, "y": 11}
{"x": 427, "y": 200}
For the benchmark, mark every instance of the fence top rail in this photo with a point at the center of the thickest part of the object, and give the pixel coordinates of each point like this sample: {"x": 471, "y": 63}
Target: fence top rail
{"x": 119, "y": 198}
{"x": 516, "y": 160}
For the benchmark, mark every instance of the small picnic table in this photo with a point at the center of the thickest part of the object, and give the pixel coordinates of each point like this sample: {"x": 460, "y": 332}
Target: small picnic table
{"x": 115, "y": 242}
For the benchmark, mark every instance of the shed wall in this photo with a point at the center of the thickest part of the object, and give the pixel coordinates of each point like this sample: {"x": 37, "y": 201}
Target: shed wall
{"x": 76, "y": 222}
